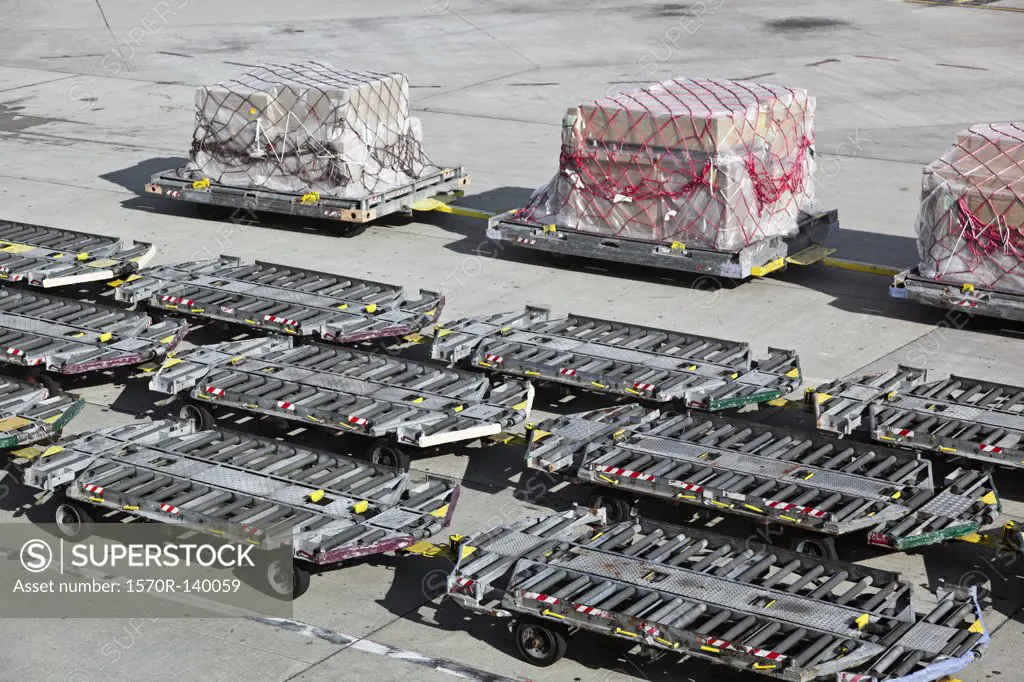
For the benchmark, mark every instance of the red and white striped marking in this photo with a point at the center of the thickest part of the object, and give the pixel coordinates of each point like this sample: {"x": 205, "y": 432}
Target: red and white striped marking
{"x": 649, "y": 629}
{"x": 592, "y": 611}
{"x": 225, "y": 309}
{"x": 566, "y": 372}
{"x": 524, "y": 240}
{"x": 640, "y": 386}
{"x": 173, "y": 193}
{"x": 358, "y": 421}
{"x": 285, "y": 405}
{"x": 990, "y": 448}
{"x": 496, "y": 359}
{"x": 252, "y": 530}
{"x": 177, "y": 299}
{"x": 543, "y": 598}
{"x": 691, "y": 487}
{"x": 213, "y": 390}
{"x": 170, "y": 509}
{"x": 967, "y": 304}
{"x": 464, "y": 583}
{"x": 623, "y": 472}
{"x": 906, "y": 433}
{"x": 789, "y": 506}
{"x": 855, "y": 677}
{"x": 760, "y": 653}
{"x": 17, "y": 352}
{"x": 281, "y": 320}
{"x": 90, "y": 488}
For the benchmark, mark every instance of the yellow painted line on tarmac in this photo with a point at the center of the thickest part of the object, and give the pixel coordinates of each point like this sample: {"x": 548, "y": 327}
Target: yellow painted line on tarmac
{"x": 858, "y": 266}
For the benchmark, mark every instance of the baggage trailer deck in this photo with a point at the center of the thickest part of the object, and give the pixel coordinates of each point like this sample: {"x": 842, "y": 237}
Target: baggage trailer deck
{"x": 756, "y": 260}
{"x": 604, "y": 356}
{"x": 969, "y": 418}
{"x": 247, "y": 489}
{"x": 820, "y": 486}
{"x": 50, "y": 257}
{"x": 966, "y": 298}
{"x": 690, "y": 593}
{"x": 444, "y": 185}
{"x": 282, "y": 299}
{"x": 32, "y": 413}
{"x": 71, "y": 337}
{"x": 398, "y": 402}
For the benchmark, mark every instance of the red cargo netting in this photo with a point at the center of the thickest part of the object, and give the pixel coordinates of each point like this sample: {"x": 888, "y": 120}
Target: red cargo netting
{"x": 308, "y": 127}
{"x": 709, "y": 163}
{"x": 971, "y": 225}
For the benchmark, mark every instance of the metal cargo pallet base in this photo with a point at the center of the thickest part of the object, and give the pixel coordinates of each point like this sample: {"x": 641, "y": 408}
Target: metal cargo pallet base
{"x": 31, "y": 413}
{"x": 756, "y": 260}
{"x": 72, "y": 337}
{"x": 282, "y": 299}
{"x": 815, "y": 483}
{"x": 610, "y": 357}
{"x": 348, "y": 390}
{"x": 250, "y": 490}
{"x": 446, "y": 184}
{"x": 49, "y": 257}
{"x": 958, "y": 416}
{"x": 685, "y": 592}
{"x": 965, "y": 298}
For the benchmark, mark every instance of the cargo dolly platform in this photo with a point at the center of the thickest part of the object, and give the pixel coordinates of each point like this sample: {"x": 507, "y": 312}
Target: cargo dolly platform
{"x": 247, "y": 489}
{"x": 822, "y": 486}
{"x": 690, "y": 593}
{"x": 442, "y": 184}
{"x": 282, "y": 299}
{"x": 49, "y": 257}
{"x": 609, "y": 357}
{"x": 969, "y": 418}
{"x": 756, "y": 260}
{"x": 32, "y": 413}
{"x": 71, "y": 337}
{"x": 967, "y": 298}
{"x": 398, "y": 402}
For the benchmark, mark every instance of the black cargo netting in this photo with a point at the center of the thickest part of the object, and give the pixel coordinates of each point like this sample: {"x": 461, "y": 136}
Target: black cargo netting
{"x": 307, "y": 127}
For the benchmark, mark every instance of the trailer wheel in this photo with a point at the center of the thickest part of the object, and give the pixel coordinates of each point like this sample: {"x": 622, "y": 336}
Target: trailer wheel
{"x": 616, "y": 509}
{"x": 202, "y": 417}
{"x": 273, "y": 427}
{"x": 347, "y": 231}
{"x": 824, "y": 548}
{"x": 387, "y": 452}
{"x": 285, "y": 583}
{"x": 73, "y": 520}
{"x": 539, "y": 643}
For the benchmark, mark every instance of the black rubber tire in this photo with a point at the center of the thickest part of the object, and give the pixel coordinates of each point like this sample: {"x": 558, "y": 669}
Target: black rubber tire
{"x": 73, "y": 519}
{"x": 616, "y": 509}
{"x": 347, "y": 231}
{"x": 299, "y": 582}
{"x": 387, "y": 452}
{"x": 49, "y": 383}
{"x": 202, "y": 417}
{"x": 539, "y": 643}
{"x": 823, "y": 548}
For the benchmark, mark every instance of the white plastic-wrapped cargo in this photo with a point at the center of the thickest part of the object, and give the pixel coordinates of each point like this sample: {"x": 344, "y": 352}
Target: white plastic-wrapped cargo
{"x": 308, "y": 127}
{"x": 712, "y": 164}
{"x": 971, "y": 224}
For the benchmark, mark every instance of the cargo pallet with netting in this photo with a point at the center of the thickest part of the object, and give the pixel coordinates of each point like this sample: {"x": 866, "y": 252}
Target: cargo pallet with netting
{"x": 33, "y": 413}
{"x": 956, "y": 417}
{"x": 610, "y": 357}
{"x": 966, "y": 298}
{"x": 39, "y": 331}
{"x": 756, "y": 260}
{"x": 815, "y": 487}
{"x": 969, "y": 226}
{"x": 249, "y": 490}
{"x": 399, "y": 403}
{"x": 282, "y": 299}
{"x": 219, "y": 201}
{"x": 690, "y": 593}
{"x": 311, "y": 140}
{"x": 50, "y": 257}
